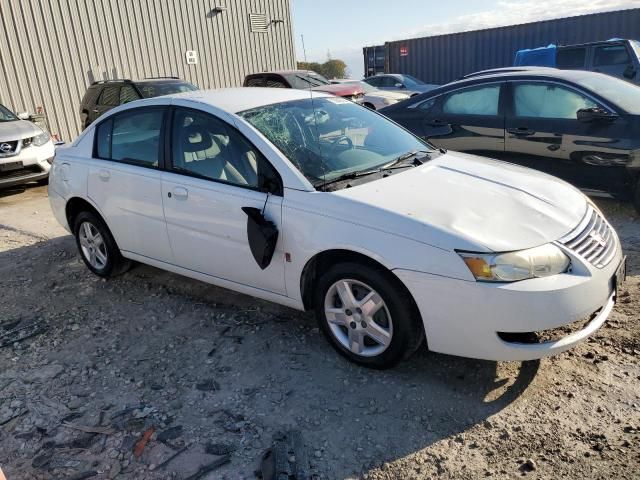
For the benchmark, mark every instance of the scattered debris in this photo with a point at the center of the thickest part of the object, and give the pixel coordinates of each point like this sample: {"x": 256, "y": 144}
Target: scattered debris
{"x": 286, "y": 459}
{"x": 203, "y": 470}
{"x": 140, "y": 444}
{"x": 11, "y": 333}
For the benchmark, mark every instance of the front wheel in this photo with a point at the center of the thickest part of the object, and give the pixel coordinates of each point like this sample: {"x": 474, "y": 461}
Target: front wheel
{"x": 367, "y": 315}
{"x": 97, "y": 246}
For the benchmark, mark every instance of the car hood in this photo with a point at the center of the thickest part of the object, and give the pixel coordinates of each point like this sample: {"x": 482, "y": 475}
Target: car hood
{"x": 17, "y": 130}
{"x": 341, "y": 90}
{"x": 466, "y": 202}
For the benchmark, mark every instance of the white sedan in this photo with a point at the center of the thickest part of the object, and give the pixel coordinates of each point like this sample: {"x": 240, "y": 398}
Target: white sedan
{"x": 314, "y": 202}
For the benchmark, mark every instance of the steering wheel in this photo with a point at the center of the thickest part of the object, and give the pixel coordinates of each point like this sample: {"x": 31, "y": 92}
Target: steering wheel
{"x": 336, "y": 143}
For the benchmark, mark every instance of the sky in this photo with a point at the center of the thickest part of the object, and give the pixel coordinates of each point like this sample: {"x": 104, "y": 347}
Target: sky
{"x": 340, "y": 28}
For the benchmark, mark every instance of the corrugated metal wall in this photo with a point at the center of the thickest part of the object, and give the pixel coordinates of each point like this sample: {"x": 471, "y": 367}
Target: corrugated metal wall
{"x": 50, "y": 51}
{"x": 443, "y": 58}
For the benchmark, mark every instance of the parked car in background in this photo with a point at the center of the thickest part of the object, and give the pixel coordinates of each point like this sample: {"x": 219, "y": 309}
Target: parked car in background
{"x": 303, "y": 80}
{"x": 583, "y": 127}
{"x": 26, "y": 150}
{"x": 313, "y": 202}
{"x": 617, "y": 57}
{"x": 374, "y": 98}
{"x": 395, "y": 82}
{"x": 104, "y": 95}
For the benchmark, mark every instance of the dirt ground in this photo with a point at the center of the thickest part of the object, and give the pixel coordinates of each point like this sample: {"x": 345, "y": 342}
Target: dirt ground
{"x": 205, "y": 372}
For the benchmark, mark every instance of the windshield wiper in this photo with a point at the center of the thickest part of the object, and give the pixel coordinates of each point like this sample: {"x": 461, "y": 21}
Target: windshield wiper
{"x": 393, "y": 165}
{"x": 406, "y": 156}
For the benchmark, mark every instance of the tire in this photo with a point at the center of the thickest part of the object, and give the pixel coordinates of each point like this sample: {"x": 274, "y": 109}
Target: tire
{"x": 347, "y": 326}
{"x": 370, "y": 106}
{"x": 43, "y": 181}
{"x": 97, "y": 246}
{"x": 636, "y": 197}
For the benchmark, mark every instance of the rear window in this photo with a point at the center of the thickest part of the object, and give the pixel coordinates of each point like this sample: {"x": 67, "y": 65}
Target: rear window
{"x": 153, "y": 89}
{"x": 571, "y": 58}
{"x": 110, "y": 96}
{"x": 132, "y": 136}
{"x": 611, "y": 55}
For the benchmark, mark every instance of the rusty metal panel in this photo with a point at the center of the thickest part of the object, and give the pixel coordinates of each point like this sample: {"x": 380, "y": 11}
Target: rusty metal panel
{"x": 443, "y": 58}
{"x": 51, "y": 51}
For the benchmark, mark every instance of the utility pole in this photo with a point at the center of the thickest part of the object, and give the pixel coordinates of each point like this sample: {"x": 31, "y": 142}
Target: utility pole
{"x": 304, "y": 51}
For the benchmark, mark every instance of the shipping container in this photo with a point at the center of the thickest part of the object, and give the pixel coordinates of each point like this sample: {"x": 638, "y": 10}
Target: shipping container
{"x": 443, "y": 58}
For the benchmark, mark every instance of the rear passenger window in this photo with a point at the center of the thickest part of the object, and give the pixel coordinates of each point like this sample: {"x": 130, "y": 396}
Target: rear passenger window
{"x": 611, "y": 55}
{"x": 131, "y": 137}
{"x": 473, "y": 101}
{"x": 255, "y": 82}
{"x": 128, "y": 94}
{"x": 571, "y": 58}
{"x": 110, "y": 96}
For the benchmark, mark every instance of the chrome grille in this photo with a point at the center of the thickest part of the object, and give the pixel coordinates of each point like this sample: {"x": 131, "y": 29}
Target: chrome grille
{"x": 593, "y": 239}
{"x": 9, "y": 149}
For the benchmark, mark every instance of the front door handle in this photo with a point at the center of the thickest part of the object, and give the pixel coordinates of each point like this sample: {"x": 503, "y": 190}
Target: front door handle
{"x": 104, "y": 175}
{"x": 521, "y": 131}
{"x": 436, "y": 122}
{"x": 180, "y": 192}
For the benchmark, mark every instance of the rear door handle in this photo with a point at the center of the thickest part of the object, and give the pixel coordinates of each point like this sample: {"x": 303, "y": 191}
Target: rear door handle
{"x": 521, "y": 131}
{"x": 179, "y": 192}
{"x": 104, "y": 175}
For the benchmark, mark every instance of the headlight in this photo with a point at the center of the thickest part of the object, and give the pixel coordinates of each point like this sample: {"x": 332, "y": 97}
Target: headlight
{"x": 542, "y": 261}
{"x": 41, "y": 139}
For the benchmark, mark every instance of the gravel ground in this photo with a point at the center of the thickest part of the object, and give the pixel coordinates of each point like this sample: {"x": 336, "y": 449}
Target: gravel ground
{"x": 203, "y": 372}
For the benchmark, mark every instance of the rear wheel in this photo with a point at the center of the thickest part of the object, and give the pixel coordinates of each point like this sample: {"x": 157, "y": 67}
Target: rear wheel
{"x": 367, "y": 315}
{"x": 97, "y": 246}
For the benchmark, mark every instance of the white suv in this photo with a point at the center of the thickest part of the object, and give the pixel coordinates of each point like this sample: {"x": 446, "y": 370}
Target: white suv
{"x": 26, "y": 151}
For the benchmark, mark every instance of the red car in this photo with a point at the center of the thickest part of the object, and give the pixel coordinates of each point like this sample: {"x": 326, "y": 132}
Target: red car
{"x": 303, "y": 80}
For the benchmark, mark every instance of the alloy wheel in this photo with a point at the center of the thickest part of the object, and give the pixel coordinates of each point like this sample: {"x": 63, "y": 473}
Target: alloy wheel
{"x": 358, "y": 317}
{"x": 92, "y": 245}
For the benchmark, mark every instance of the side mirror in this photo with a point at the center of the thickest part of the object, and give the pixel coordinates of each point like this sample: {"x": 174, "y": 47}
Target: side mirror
{"x": 23, "y": 115}
{"x": 595, "y": 114}
{"x": 269, "y": 184}
{"x": 629, "y": 72}
{"x": 399, "y": 85}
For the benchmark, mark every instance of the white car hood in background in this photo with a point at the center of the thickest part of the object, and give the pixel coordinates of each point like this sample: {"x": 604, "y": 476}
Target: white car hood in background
{"x": 17, "y": 130}
{"x": 482, "y": 203}
{"x": 392, "y": 95}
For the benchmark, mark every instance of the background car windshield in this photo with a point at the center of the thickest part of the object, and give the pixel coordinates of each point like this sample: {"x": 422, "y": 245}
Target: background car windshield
{"x": 6, "y": 115}
{"x": 303, "y": 80}
{"x": 624, "y": 94}
{"x": 412, "y": 81}
{"x": 329, "y": 137}
{"x": 149, "y": 90}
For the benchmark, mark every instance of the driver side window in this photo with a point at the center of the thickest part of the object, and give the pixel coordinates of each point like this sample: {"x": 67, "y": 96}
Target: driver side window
{"x": 546, "y": 100}
{"x": 209, "y": 148}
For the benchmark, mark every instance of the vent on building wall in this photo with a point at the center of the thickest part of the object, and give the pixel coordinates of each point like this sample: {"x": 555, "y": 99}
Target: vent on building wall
{"x": 258, "y": 22}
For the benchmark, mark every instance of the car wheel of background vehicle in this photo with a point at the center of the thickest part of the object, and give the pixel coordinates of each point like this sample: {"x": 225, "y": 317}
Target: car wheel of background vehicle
{"x": 636, "y": 196}
{"x": 44, "y": 181}
{"x": 367, "y": 315}
{"x": 369, "y": 106}
{"x": 97, "y": 247}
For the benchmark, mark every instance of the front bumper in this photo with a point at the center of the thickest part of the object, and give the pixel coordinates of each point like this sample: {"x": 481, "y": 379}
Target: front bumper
{"x": 29, "y": 165}
{"x": 464, "y": 317}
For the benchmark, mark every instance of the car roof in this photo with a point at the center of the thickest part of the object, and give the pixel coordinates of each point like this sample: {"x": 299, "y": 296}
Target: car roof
{"x": 515, "y": 69}
{"x": 284, "y": 72}
{"x": 532, "y": 73}
{"x": 234, "y": 100}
